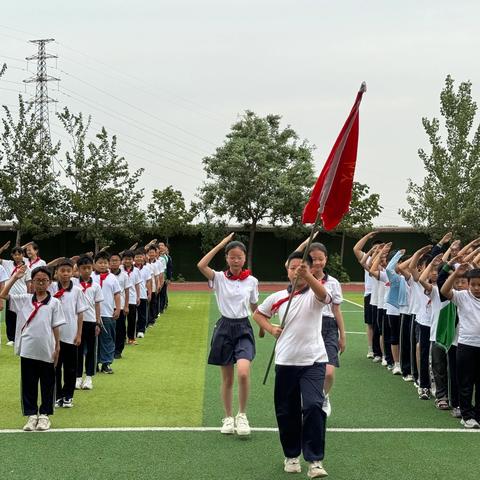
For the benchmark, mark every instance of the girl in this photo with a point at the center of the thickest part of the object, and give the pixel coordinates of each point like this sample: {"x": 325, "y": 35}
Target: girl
{"x": 233, "y": 340}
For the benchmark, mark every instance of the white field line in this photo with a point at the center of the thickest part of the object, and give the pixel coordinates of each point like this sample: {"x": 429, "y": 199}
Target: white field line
{"x": 260, "y": 429}
{"x": 353, "y": 303}
{"x": 356, "y": 333}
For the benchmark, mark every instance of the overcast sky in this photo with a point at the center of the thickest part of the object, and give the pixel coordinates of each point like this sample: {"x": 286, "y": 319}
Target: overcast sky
{"x": 169, "y": 78}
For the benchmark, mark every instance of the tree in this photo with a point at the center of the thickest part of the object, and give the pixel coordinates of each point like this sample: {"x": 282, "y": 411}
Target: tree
{"x": 31, "y": 195}
{"x": 167, "y": 212}
{"x": 448, "y": 198}
{"x": 104, "y": 200}
{"x": 364, "y": 207}
{"x": 261, "y": 173}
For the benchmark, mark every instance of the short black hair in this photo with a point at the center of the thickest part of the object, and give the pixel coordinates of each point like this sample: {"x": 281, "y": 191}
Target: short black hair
{"x": 128, "y": 254}
{"x": 299, "y": 255}
{"x": 34, "y": 246}
{"x": 318, "y": 246}
{"x": 139, "y": 251}
{"x": 474, "y": 273}
{"x": 84, "y": 260}
{"x": 102, "y": 256}
{"x": 151, "y": 247}
{"x": 115, "y": 254}
{"x": 65, "y": 262}
{"x": 16, "y": 250}
{"x": 44, "y": 270}
{"x": 236, "y": 244}
{"x": 377, "y": 242}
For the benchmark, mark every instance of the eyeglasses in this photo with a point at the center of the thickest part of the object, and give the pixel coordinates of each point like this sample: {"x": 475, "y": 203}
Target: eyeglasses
{"x": 41, "y": 280}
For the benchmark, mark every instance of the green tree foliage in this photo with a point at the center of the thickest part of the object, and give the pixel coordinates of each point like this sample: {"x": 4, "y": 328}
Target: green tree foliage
{"x": 167, "y": 212}
{"x": 30, "y": 193}
{"x": 261, "y": 173}
{"x": 448, "y": 197}
{"x": 104, "y": 199}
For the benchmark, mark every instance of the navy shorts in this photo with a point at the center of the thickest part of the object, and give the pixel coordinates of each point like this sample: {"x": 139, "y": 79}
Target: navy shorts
{"x": 330, "y": 339}
{"x": 367, "y": 310}
{"x": 232, "y": 340}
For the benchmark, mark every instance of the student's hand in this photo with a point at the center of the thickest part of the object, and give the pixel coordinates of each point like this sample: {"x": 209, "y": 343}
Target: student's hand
{"x": 303, "y": 270}
{"x": 105, "y": 248}
{"x": 90, "y": 254}
{"x": 305, "y": 242}
{"x": 227, "y": 239}
{"x": 437, "y": 260}
{"x": 20, "y": 272}
{"x": 75, "y": 258}
{"x": 424, "y": 250}
{"x": 98, "y": 330}
{"x": 462, "y": 269}
{"x": 126, "y": 310}
{"x": 371, "y": 234}
{"x": 446, "y": 238}
{"x": 402, "y": 251}
{"x": 134, "y": 246}
{"x": 77, "y": 340}
{"x": 456, "y": 259}
{"x": 149, "y": 297}
{"x": 138, "y": 302}
{"x": 4, "y": 247}
{"x": 23, "y": 247}
{"x": 56, "y": 353}
{"x": 116, "y": 313}
{"x": 342, "y": 343}
{"x": 275, "y": 331}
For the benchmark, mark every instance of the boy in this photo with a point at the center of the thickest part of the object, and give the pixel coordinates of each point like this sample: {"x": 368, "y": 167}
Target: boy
{"x": 168, "y": 275}
{"x": 124, "y": 281}
{"x": 133, "y": 295}
{"x": 109, "y": 310}
{"x": 73, "y": 304}
{"x": 145, "y": 292}
{"x": 18, "y": 288}
{"x": 92, "y": 323}
{"x": 300, "y": 362}
{"x": 37, "y": 342}
{"x": 468, "y": 349}
{"x": 155, "y": 269}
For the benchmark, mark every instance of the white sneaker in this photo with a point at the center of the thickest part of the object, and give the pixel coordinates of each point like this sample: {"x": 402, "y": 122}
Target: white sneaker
{"x": 377, "y": 359}
{"x": 228, "y": 426}
{"x": 43, "y": 423}
{"x": 316, "y": 470}
{"x": 78, "y": 383}
{"x": 67, "y": 403}
{"x": 87, "y": 383}
{"x": 370, "y": 354}
{"x": 327, "y": 407}
{"x": 243, "y": 427}
{"x": 140, "y": 335}
{"x": 408, "y": 378}
{"x": 384, "y": 362}
{"x": 31, "y": 424}
{"x": 470, "y": 423}
{"x": 292, "y": 465}
{"x": 396, "y": 370}
{"x": 10, "y": 343}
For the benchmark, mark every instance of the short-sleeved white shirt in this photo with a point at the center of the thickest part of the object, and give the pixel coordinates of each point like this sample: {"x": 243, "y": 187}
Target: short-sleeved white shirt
{"x": 383, "y": 280}
{"x": 93, "y": 294}
{"x": 109, "y": 287}
{"x": 135, "y": 279}
{"x": 335, "y": 291}
{"x": 468, "y": 308}
{"x": 437, "y": 306}
{"x": 368, "y": 279}
{"x": 301, "y": 342}
{"x": 154, "y": 272}
{"x": 37, "y": 340}
{"x": 417, "y": 296}
{"x": 124, "y": 281}
{"x": 20, "y": 286}
{"x": 3, "y": 274}
{"x": 425, "y": 312}
{"x": 161, "y": 264}
{"x": 145, "y": 274}
{"x": 73, "y": 302}
{"x": 234, "y": 296}
{"x": 374, "y": 294}
{"x": 38, "y": 262}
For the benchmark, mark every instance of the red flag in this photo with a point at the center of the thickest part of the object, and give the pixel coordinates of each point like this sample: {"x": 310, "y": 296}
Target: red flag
{"x": 333, "y": 191}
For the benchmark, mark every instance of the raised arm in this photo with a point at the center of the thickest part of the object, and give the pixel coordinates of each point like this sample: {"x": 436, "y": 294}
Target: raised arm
{"x": 202, "y": 265}
{"x": 375, "y": 268}
{"x": 447, "y": 289}
{"x": 358, "y": 248}
{"x": 414, "y": 261}
{"x": 434, "y": 264}
{"x": 9, "y": 283}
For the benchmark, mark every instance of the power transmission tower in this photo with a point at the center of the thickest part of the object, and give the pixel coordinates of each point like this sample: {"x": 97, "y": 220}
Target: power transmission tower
{"x": 42, "y": 99}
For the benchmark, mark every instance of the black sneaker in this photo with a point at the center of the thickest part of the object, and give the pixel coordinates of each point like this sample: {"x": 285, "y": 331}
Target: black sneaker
{"x": 117, "y": 356}
{"x": 106, "y": 368}
{"x": 424, "y": 394}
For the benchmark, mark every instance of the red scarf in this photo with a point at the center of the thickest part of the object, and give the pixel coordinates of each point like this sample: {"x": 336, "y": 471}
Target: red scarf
{"x": 103, "y": 276}
{"x": 241, "y": 276}
{"x": 276, "y": 306}
{"x": 86, "y": 285}
{"x": 16, "y": 268}
{"x": 128, "y": 271}
{"x": 30, "y": 264}
{"x": 36, "y": 308}
{"x": 61, "y": 291}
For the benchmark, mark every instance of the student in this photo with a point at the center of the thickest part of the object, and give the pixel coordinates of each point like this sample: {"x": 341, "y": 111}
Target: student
{"x": 73, "y": 304}
{"x": 37, "y": 342}
{"x": 300, "y": 364}
{"x": 155, "y": 271}
{"x": 92, "y": 323}
{"x": 468, "y": 349}
{"x": 161, "y": 263}
{"x": 109, "y": 310}
{"x": 3, "y": 278}
{"x": 33, "y": 259}
{"x": 20, "y": 287}
{"x": 133, "y": 294}
{"x": 163, "y": 250}
{"x": 145, "y": 275}
{"x": 120, "y": 325}
{"x": 233, "y": 340}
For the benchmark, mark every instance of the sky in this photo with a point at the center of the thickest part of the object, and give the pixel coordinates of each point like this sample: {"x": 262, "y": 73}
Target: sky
{"x": 170, "y": 78}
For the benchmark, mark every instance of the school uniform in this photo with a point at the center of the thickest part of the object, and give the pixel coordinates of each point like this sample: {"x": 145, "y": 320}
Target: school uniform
{"x": 134, "y": 276}
{"x": 87, "y": 351}
{"x": 168, "y": 273}
{"x": 161, "y": 267}
{"x": 329, "y": 324}
{"x": 377, "y": 351}
{"x": 468, "y": 353}
{"x": 32, "y": 264}
{"x": 35, "y": 344}
{"x": 423, "y": 321}
{"x": 18, "y": 288}
{"x": 300, "y": 365}
{"x": 405, "y": 333}
{"x": 106, "y": 341}
{"x": 384, "y": 324}
{"x": 120, "y": 324}
{"x": 416, "y": 300}
{"x": 152, "y": 307}
{"x": 73, "y": 303}
{"x": 142, "y": 309}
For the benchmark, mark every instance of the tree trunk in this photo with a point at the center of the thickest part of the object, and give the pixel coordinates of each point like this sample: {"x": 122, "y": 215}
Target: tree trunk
{"x": 97, "y": 247}
{"x": 18, "y": 238}
{"x": 342, "y": 248}
{"x": 253, "y": 228}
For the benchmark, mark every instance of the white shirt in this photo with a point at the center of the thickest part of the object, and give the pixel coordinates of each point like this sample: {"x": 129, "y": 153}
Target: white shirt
{"x": 38, "y": 262}
{"x": 144, "y": 274}
{"x": 135, "y": 279}
{"x": 155, "y": 272}
{"x": 437, "y": 305}
{"x": 335, "y": 291}
{"x": 20, "y": 286}
{"x": 374, "y": 294}
{"x": 425, "y": 312}
{"x": 3, "y": 274}
{"x": 73, "y": 302}
{"x": 124, "y": 281}
{"x": 109, "y": 287}
{"x": 234, "y": 296}
{"x": 383, "y": 279}
{"x": 468, "y": 308}
{"x": 37, "y": 340}
{"x": 368, "y": 279}
{"x": 301, "y": 342}
{"x": 93, "y": 294}
{"x": 161, "y": 264}
{"x": 417, "y": 296}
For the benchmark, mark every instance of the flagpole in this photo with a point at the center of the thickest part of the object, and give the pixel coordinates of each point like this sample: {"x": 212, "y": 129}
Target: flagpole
{"x": 294, "y": 286}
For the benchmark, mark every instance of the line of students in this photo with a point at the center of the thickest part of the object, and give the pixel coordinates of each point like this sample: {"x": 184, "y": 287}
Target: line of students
{"x": 423, "y": 319}
{"x": 74, "y": 320}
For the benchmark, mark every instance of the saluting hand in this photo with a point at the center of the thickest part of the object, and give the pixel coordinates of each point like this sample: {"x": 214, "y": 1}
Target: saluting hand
{"x": 20, "y": 272}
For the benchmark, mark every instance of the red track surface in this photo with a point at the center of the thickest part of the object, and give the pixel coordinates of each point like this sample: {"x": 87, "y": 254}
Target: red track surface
{"x": 264, "y": 287}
